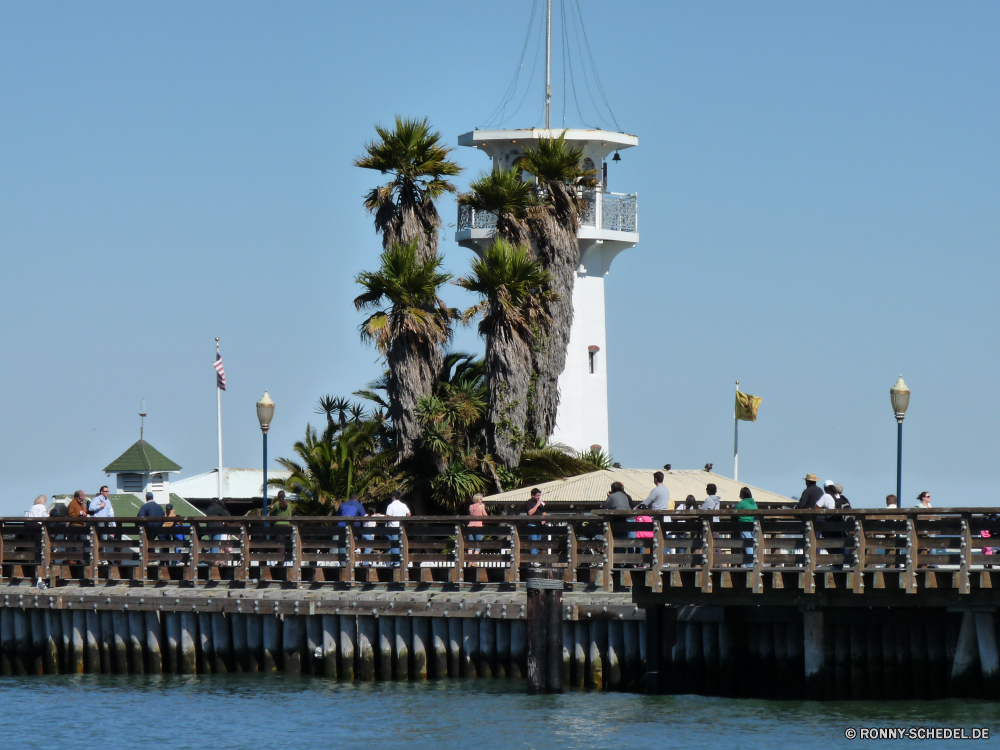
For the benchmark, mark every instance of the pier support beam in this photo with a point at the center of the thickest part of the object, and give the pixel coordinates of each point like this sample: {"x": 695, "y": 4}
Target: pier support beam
{"x": 154, "y": 651}
{"x": 92, "y": 643}
{"x": 348, "y": 639}
{"x": 518, "y": 648}
{"x": 314, "y": 645}
{"x": 470, "y": 646}
{"x": 255, "y": 642}
{"x": 454, "y": 648}
{"x": 107, "y": 641}
{"x": 77, "y": 635}
{"x": 598, "y": 648}
{"x": 986, "y": 635}
{"x": 366, "y": 648}
{"x": 439, "y": 648}
{"x": 581, "y": 642}
{"x": 616, "y": 647}
{"x": 487, "y": 648}
{"x": 291, "y": 644}
{"x": 206, "y": 647}
{"x": 7, "y": 640}
{"x": 238, "y": 636}
{"x": 22, "y": 642}
{"x": 813, "y": 646}
{"x": 544, "y": 614}
{"x": 386, "y": 636}
{"x": 271, "y": 636}
{"x": 221, "y": 656}
{"x": 189, "y": 640}
{"x": 421, "y": 642}
{"x": 38, "y": 643}
{"x": 404, "y": 636}
{"x": 137, "y": 636}
{"x": 631, "y": 665}
{"x": 173, "y": 628}
{"x": 331, "y": 634}
{"x": 53, "y": 636}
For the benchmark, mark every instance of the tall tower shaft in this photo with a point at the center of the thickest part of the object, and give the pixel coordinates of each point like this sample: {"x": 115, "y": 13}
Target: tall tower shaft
{"x": 609, "y": 224}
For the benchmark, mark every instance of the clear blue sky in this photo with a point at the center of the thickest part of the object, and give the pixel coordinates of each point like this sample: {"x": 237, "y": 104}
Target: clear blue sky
{"x": 818, "y": 204}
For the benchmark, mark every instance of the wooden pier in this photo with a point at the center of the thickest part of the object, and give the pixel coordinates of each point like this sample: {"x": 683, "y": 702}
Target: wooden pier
{"x": 871, "y": 604}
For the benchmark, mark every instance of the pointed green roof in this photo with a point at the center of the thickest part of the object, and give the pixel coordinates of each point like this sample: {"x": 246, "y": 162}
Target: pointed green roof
{"x": 141, "y": 457}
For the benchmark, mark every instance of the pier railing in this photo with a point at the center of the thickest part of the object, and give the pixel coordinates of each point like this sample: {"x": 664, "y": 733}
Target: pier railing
{"x": 695, "y": 550}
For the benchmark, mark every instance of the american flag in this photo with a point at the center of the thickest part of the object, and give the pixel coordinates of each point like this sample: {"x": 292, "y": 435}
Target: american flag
{"x": 220, "y": 372}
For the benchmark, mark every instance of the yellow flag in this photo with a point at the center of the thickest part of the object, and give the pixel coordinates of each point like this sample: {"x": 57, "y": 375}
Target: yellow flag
{"x": 746, "y": 406}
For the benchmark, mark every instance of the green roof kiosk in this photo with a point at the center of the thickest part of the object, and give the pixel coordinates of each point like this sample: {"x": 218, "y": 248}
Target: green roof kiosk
{"x": 143, "y": 469}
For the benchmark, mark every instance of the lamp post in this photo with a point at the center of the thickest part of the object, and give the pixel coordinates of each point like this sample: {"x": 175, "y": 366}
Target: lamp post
{"x": 265, "y": 410}
{"x": 900, "y": 396}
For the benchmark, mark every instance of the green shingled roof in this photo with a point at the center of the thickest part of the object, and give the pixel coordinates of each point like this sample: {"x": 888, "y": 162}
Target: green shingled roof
{"x": 141, "y": 457}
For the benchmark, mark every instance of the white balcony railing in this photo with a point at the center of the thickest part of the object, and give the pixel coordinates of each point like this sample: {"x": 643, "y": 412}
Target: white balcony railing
{"x": 615, "y": 212}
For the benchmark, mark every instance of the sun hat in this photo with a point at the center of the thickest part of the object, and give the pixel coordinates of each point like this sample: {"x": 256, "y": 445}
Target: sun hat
{"x": 811, "y": 478}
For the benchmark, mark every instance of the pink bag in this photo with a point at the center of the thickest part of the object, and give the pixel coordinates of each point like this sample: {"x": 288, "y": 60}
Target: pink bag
{"x": 644, "y": 534}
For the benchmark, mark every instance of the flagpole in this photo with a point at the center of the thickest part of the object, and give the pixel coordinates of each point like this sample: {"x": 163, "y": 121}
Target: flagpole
{"x": 736, "y": 440}
{"x": 218, "y": 397}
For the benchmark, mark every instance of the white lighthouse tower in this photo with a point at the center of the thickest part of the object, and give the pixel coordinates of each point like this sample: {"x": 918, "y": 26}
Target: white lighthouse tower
{"x": 608, "y": 225}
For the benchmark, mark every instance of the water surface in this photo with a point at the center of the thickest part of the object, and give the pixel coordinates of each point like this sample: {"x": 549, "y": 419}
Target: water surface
{"x": 79, "y": 712}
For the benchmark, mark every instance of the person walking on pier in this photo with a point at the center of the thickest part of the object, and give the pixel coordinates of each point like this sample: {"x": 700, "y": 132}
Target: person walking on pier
{"x": 891, "y": 501}
{"x": 659, "y": 498}
{"x": 78, "y": 505}
{"x": 396, "y": 508}
{"x": 842, "y": 501}
{"x": 152, "y": 509}
{"x": 477, "y": 508}
{"x": 923, "y": 500}
{"x": 746, "y": 503}
{"x": 37, "y": 509}
{"x": 810, "y": 495}
{"x": 100, "y": 505}
{"x": 534, "y": 506}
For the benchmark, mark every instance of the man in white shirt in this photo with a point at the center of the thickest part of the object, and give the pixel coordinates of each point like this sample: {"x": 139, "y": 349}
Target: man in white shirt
{"x": 396, "y": 508}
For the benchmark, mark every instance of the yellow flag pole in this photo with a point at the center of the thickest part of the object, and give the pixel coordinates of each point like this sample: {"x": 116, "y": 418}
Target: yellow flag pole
{"x": 736, "y": 438}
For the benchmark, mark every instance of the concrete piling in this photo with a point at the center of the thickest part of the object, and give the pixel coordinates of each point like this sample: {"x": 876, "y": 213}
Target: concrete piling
{"x": 503, "y": 649}
{"x": 120, "y": 639}
{"x": 53, "y": 636}
{"x": 255, "y": 642}
{"x": 206, "y": 645}
{"x": 38, "y": 643}
{"x": 616, "y": 648}
{"x": 986, "y": 636}
{"x": 271, "y": 643}
{"x": 348, "y": 639}
{"x": 421, "y": 627}
{"x": 77, "y": 635}
{"x": 330, "y": 625}
{"x": 238, "y": 639}
{"x": 470, "y": 647}
{"x": 154, "y": 650}
{"x": 107, "y": 641}
{"x": 386, "y": 637}
{"x": 172, "y": 661}
{"x": 366, "y": 648}
{"x": 137, "y": 637}
{"x": 188, "y": 643}
{"x": 314, "y": 645}
{"x": 222, "y": 644}
{"x": 292, "y": 640}
{"x": 454, "y": 648}
{"x": 401, "y": 649}
{"x": 7, "y": 647}
{"x": 598, "y": 648}
{"x": 439, "y": 648}
{"x": 22, "y": 643}
{"x": 92, "y": 641}
{"x": 518, "y": 649}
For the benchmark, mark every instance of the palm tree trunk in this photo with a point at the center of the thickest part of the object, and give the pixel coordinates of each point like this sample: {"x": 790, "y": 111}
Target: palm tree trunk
{"x": 415, "y": 221}
{"x": 508, "y": 373}
{"x": 413, "y": 367}
{"x": 556, "y": 245}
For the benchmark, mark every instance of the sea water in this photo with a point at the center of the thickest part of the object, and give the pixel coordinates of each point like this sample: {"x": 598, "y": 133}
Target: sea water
{"x": 79, "y": 712}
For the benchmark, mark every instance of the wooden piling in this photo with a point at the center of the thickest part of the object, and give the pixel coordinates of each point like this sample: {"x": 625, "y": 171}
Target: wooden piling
{"x": 873, "y": 666}
{"x": 271, "y": 642}
{"x": 154, "y": 650}
{"x": 331, "y": 634}
{"x": 936, "y": 668}
{"x": 518, "y": 648}
{"x": 366, "y": 648}
{"x": 470, "y": 646}
{"x": 597, "y": 649}
{"x": 581, "y": 644}
{"x": 487, "y": 648}
{"x": 677, "y": 683}
{"x": 782, "y": 666}
{"x": 421, "y": 627}
{"x": 22, "y": 643}
{"x": 918, "y": 658}
{"x": 503, "y": 649}
{"x": 255, "y": 642}
{"x": 889, "y": 683}
{"x": 7, "y": 647}
{"x": 439, "y": 648}
{"x": 188, "y": 643}
{"x": 119, "y": 624}
{"x": 172, "y": 663}
{"x": 710, "y": 656}
{"x": 616, "y": 647}
{"x": 630, "y": 667}
{"x": 107, "y": 644}
{"x": 842, "y": 674}
{"x": 454, "y": 648}
{"x": 904, "y": 684}
{"x": 222, "y": 644}
{"x": 66, "y": 648}
{"x": 796, "y": 663}
{"x": 92, "y": 643}
{"x": 314, "y": 645}
{"x": 348, "y": 639}
{"x": 401, "y": 651}
{"x": 137, "y": 638}
{"x": 38, "y": 642}
{"x": 77, "y": 635}
{"x": 291, "y": 644}
{"x": 813, "y": 653}
{"x": 858, "y": 661}
{"x": 986, "y": 636}
{"x": 238, "y": 638}
{"x": 727, "y": 659}
{"x": 206, "y": 646}
{"x": 567, "y": 652}
{"x": 694, "y": 662}
{"x": 53, "y": 636}
{"x": 386, "y": 637}
{"x": 765, "y": 652}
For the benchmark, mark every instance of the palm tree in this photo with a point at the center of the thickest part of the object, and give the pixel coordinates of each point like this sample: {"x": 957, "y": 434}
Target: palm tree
{"x": 559, "y": 172}
{"x": 409, "y": 325}
{"x": 513, "y": 291}
{"x": 328, "y": 471}
{"x": 404, "y": 208}
{"x": 502, "y": 192}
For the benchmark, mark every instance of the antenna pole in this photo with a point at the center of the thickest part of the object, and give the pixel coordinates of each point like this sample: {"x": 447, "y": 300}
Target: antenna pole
{"x": 548, "y": 64}
{"x": 736, "y": 441}
{"x": 218, "y": 398}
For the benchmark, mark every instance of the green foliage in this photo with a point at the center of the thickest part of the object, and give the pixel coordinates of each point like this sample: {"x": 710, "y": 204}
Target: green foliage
{"x": 551, "y": 160}
{"x": 597, "y": 458}
{"x": 549, "y": 461}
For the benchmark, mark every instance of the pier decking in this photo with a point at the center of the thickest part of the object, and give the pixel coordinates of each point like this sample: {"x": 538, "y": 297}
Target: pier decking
{"x": 863, "y": 604}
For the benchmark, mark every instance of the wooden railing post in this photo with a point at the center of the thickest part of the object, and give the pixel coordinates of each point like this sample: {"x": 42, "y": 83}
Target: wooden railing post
{"x": 708, "y": 555}
{"x": 965, "y": 557}
{"x": 45, "y": 559}
{"x": 809, "y": 550}
{"x": 514, "y": 572}
{"x": 757, "y": 577}
{"x": 94, "y": 553}
{"x": 404, "y": 553}
{"x": 295, "y": 574}
{"x": 459, "y": 554}
{"x": 655, "y": 576}
{"x": 858, "y": 584}
{"x": 609, "y": 558}
{"x": 350, "y": 553}
{"x": 243, "y": 571}
{"x": 572, "y": 554}
{"x": 194, "y": 554}
{"x": 910, "y": 575}
{"x": 143, "y": 572}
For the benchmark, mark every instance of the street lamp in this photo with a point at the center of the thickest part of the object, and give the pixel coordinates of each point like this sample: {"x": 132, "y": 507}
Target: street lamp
{"x": 900, "y": 396}
{"x": 265, "y": 410}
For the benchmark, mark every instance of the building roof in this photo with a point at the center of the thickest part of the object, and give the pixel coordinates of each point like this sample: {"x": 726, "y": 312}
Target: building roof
{"x": 141, "y": 457}
{"x": 591, "y": 489}
{"x": 236, "y": 484}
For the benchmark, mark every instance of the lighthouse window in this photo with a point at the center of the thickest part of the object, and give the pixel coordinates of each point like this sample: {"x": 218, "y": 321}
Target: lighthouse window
{"x": 592, "y": 357}
{"x": 131, "y": 482}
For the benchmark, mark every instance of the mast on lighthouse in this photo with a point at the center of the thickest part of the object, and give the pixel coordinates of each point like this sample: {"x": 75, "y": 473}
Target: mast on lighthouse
{"x": 608, "y": 225}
